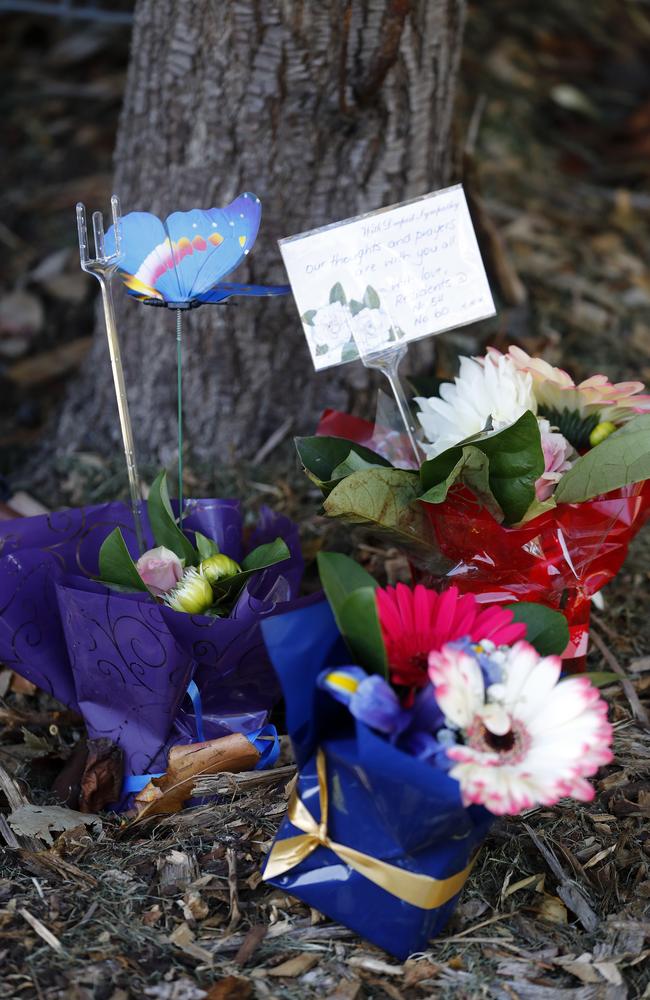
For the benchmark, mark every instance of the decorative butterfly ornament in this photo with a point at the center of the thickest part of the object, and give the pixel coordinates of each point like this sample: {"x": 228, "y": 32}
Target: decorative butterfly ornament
{"x": 180, "y": 263}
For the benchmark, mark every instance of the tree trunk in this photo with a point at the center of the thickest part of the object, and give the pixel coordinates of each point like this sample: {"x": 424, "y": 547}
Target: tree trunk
{"x": 324, "y": 109}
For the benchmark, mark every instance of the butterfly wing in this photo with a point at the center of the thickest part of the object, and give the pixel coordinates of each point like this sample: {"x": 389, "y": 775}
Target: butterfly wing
{"x": 209, "y": 243}
{"x": 147, "y": 266}
{"x": 223, "y": 291}
{"x": 180, "y": 260}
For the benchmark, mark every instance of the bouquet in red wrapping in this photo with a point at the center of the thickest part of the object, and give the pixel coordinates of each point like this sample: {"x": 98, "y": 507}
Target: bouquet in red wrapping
{"x": 532, "y": 487}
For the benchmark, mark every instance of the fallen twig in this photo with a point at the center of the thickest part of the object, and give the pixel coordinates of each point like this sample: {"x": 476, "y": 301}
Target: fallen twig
{"x": 638, "y": 711}
{"x": 569, "y": 892}
{"x": 235, "y": 912}
{"x": 42, "y": 930}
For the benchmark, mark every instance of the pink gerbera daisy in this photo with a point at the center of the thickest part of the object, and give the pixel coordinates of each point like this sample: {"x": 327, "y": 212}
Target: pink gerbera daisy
{"x": 415, "y": 621}
{"x": 526, "y": 740}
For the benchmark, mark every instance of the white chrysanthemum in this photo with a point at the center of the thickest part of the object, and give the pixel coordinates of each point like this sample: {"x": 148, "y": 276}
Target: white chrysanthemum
{"x": 487, "y": 393}
{"x": 527, "y": 740}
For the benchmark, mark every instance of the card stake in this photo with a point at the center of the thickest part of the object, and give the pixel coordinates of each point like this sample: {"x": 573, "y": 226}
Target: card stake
{"x": 365, "y": 287}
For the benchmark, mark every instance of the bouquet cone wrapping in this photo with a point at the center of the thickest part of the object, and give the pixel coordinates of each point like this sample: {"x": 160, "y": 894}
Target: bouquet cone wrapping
{"x": 385, "y": 817}
{"x": 560, "y": 559}
{"x": 111, "y": 655}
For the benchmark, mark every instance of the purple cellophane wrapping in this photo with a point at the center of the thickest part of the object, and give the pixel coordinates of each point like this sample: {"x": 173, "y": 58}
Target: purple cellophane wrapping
{"x": 112, "y": 656}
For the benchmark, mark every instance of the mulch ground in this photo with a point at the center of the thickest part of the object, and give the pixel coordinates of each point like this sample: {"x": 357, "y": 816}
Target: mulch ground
{"x": 555, "y": 118}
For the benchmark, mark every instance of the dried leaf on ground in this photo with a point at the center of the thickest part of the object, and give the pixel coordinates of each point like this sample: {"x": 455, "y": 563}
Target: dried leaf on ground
{"x": 92, "y": 777}
{"x": 42, "y": 821}
{"x": 231, "y": 988}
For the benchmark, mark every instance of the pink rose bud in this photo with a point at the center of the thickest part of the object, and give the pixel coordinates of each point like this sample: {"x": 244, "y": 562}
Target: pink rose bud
{"x": 160, "y": 569}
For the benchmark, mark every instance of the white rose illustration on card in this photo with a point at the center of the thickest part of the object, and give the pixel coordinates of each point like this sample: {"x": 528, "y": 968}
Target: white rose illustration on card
{"x": 343, "y": 329}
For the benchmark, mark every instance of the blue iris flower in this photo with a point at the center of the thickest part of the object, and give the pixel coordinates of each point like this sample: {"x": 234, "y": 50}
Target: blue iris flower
{"x": 368, "y": 697}
{"x": 419, "y": 730}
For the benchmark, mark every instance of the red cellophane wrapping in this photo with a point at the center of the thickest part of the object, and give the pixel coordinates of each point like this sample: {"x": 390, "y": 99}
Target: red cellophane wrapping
{"x": 560, "y": 559}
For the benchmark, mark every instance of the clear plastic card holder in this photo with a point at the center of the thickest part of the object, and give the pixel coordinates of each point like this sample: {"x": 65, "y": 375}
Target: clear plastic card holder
{"x": 366, "y": 287}
{"x": 386, "y": 358}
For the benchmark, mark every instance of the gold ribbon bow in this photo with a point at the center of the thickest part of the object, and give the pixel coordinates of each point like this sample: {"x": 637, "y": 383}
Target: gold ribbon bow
{"x": 418, "y": 890}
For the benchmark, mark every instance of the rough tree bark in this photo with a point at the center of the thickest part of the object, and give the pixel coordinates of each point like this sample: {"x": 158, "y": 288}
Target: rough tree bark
{"x": 324, "y": 109}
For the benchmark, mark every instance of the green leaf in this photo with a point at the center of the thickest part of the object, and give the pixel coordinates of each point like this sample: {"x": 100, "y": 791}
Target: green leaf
{"x": 546, "y": 629}
{"x": 353, "y": 463}
{"x": 370, "y": 298}
{"x": 602, "y": 678}
{"x": 340, "y": 577}
{"x": 163, "y": 524}
{"x": 266, "y": 555}
{"x": 205, "y": 546}
{"x": 501, "y": 468}
{"x": 355, "y": 307}
{"x": 337, "y": 294}
{"x": 260, "y": 558}
{"x": 471, "y": 468}
{"x": 359, "y": 623}
{"x": 384, "y": 499}
{"x": 308, "y": 317}
{"x": 621, "y": 459}
{"x": 321, "y": 455}
{"x": 116, "y": 565}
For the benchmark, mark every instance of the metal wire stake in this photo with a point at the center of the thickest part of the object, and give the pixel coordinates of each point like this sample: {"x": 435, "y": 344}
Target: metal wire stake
{"x": 179, "y": 370}
{"x": 103, "y": 267}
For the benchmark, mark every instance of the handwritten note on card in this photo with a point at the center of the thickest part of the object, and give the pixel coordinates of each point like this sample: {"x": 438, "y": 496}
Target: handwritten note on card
{"x": 398, "y": 274}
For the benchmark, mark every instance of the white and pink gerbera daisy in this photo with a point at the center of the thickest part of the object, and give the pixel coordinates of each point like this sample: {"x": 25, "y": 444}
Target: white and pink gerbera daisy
{"x": 525, "y": 741}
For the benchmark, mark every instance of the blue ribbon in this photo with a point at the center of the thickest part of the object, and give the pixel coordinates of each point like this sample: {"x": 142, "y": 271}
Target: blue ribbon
{"x": 265, "y": 740}
{"x": 195, "y": 696}
{"x": 136, "y": 782}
